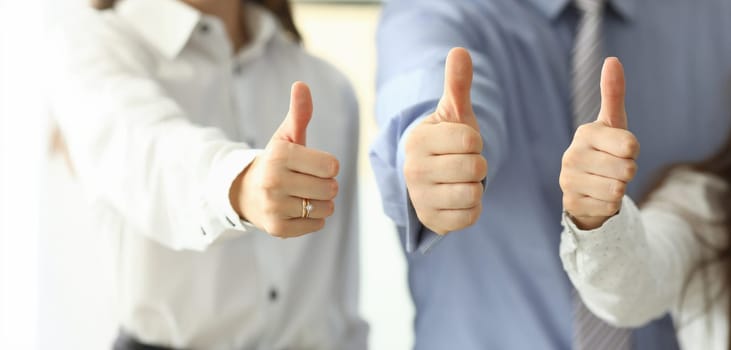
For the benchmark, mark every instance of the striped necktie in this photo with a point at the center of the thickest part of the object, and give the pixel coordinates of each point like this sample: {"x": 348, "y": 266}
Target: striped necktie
{"x": 587, "y": 61}
{"x": 590, "y": 333}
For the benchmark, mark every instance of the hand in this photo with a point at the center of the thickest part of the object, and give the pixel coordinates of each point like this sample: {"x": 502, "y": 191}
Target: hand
{"x": 269, "y": 192}
{"x": 601, "y": 159}
{"x": 444, "y": 167}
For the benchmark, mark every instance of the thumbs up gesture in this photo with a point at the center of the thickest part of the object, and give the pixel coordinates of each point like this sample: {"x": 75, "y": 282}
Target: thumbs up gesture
{"x": 601, "y": 159}
{"x": 444, "y": 167}
{"x": 273, "y": 190}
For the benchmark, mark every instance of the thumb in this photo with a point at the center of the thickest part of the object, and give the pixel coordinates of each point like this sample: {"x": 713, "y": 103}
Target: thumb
{"x": 294, "y": 127}
{"x": 455, "y": 104}
{"x": 612, "y": 112}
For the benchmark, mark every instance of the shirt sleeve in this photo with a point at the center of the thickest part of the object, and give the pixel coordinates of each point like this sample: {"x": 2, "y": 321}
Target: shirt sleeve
{"x": 635, "y": 267}
{"x": 413, "y": 40}
{"x": 134, "y": 148}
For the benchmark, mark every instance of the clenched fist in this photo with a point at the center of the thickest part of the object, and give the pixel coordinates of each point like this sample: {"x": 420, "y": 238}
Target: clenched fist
{"x": 601, "y": 159}
{"x": 444, "y": 167}
{"x": 269, "y": 193}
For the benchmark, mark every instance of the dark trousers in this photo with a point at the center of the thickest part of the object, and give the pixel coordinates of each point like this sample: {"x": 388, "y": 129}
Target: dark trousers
{"x": 125, "y": 341}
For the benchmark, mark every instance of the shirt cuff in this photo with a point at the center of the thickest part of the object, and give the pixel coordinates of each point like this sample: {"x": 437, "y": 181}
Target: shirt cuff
{"x": 221, "y": 220}
{"x": 584, "y": 251}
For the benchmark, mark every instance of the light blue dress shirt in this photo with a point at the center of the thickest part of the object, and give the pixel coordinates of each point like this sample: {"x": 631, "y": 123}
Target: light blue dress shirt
{"x": 499, "y": 284}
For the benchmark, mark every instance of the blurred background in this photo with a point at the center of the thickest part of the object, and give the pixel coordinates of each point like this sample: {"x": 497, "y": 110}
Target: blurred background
{"x": 38, "y": 285}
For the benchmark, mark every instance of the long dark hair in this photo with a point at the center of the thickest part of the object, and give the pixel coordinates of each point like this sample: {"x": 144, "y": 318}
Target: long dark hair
{"x": 719, "y": 166}
{"x": 280, "y": 8}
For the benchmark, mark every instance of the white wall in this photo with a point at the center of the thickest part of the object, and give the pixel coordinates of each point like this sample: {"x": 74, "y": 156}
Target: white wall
{"x": 21, "y": 128}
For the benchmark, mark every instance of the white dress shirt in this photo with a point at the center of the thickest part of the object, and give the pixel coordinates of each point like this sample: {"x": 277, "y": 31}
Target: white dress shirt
{"x": 160, "y": 115}
{"x": 640, "y": 265}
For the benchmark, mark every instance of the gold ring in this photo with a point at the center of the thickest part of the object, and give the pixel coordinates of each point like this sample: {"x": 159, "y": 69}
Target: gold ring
{"x": 306, "y": 208}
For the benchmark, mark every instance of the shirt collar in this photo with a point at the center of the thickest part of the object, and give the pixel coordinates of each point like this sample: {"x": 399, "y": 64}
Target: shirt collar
{"x": 165, "y": 24}
{"x": 169, "y": 24}
{"x": 263, "y": 28}
{"x": 553, "y": 8}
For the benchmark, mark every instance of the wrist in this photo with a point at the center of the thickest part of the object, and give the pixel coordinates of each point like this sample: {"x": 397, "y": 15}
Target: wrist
{"x": 235, "y": 195}
{"x": 587, "y": 223}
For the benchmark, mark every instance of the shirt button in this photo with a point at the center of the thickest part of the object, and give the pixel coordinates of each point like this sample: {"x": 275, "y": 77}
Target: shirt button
{"x": 273, "y": 294}
{"x": 238, "y": 69}
{"x": 204, "y": 28}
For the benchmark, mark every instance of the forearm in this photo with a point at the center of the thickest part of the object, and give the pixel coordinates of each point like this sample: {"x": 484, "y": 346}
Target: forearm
{"x": 135, "y": 150}
{"x": 168, "y": 181}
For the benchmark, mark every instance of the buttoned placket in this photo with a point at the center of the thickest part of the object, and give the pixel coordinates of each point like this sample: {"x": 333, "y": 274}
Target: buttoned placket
{"x": 268, "y": 251}
{"x": 250, "y": 133}
{"x": 271, "y": 292}
{"x": 210, "y": 34}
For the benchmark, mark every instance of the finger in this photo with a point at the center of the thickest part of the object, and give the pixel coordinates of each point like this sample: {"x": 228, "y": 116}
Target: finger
{"x": 612, "y": 112}
{"x": 311, "y": 187}
{"x": 451, "y": 196}
{"x": 320, "y": 209}
{"x": 603, "y": 164}
{"x": 594, "y": 186}
{"x": 444, "y": 138}
{"x": 295, "y": 227}
{"x": 455, "y": 104}
{"x": 617, "y": 142}
{"x": 455, "y": 168}
{"x": 586, "y": 207}
{"x": 294, "y": 127}
{"x": 453, "y": 220}
{"x": 312, "y": 162}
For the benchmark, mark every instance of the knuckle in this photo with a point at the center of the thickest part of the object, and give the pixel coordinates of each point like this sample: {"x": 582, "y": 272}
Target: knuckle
{"x": 617, "y": 189}
{"x": 611, "y": 208}
{"x": 630, "y": 170}
{"x": 329, "y": 208}
{"x": 568, "y": 181}
{"x": 451, "y": 224}
{"x": 320, "y": 224}
{"x": 416, "y": 196}
{"x": 409, "y": 144}
{"x": 569, "y": 159}
{"x": 430, "y": 218}
{"x": 413, "y": 169}
{"x": 413, "y": 140}
{"x": 630, "y": 145}
{"x": 582, "y": 131}
{"x": 334, "y": 188}
{"x": 409, "y": 168}
{"x": 563, "y": 181}
{"x": 570, "y": 203}
{"x": 477, "y": 167}
{"x": 474, "y": 193}
{"x": 334, "y": 167}
{"x": 473, "y": 215}
{"x": 471, "y": 140}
